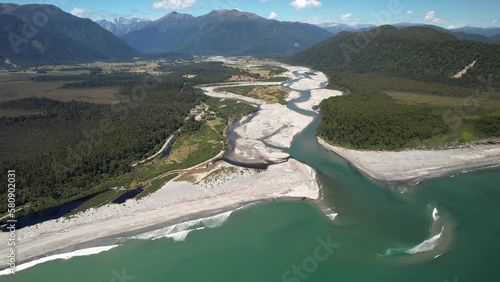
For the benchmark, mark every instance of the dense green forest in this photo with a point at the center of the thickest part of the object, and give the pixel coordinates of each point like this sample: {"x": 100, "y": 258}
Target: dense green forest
{"x": 366, "y": 117}
{"x": 63, "y": 152}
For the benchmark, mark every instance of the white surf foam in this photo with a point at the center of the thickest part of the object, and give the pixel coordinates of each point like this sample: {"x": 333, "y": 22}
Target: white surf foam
{"x": 427, "y": 245}
{"x": 330, "y": 213}
{"x": 435, "y": 214}
{"x": 180, "y": 236}
{"x": 332, "y": 216}
{"x": 179, "y": 231}
{"x": 65, "y": 256}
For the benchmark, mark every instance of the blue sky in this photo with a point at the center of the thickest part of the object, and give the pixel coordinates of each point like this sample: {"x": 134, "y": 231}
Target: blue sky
{"x": 445, "y": 13}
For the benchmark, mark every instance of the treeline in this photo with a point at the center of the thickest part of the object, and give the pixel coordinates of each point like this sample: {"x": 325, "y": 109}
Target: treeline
{"x": 445, "y": 88}
{"x": 488, "y": 125}
{"x": 65, "y": 152}
{"x": 107, "y": 80}
{"x": 43, "y": 78}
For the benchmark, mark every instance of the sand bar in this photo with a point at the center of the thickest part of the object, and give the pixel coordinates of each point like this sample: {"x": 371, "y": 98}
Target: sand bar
{"x": 414, "y": 165}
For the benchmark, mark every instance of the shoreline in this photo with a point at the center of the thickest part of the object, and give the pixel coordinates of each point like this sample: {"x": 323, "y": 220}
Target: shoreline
{"x": 119, "y": 238}
{"x": 174, "y": 202}
{"x": 413, "y": 166}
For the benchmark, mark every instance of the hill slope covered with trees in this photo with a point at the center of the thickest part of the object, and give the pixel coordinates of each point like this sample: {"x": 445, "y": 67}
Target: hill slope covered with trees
{"x": 399, "y": 92}
{"x": 418, "y": 52}
{"x": 53, "y": 31}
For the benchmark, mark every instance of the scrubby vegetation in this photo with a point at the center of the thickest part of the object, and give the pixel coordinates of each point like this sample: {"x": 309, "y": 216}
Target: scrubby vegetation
{"x": 270, "y": 94}
{"x": 155, "y": 186}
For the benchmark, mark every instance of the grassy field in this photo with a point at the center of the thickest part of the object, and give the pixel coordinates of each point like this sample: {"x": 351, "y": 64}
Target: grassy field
{"x": 17, "y": 86}
{"x": 270, "y": 94}
{"x": 195, "y": 148}
{"x": 275, "y": 79}
{"x": 443, "y": 100}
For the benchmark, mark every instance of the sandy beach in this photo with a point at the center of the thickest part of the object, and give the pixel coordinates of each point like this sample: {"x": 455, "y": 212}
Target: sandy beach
{"x": 174, "y": 200}
{"x": 414, "y": 165}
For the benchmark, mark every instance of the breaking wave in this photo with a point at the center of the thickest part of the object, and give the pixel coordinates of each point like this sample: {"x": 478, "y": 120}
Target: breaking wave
{"x": 178, "y": 232}
{"x": 427, "y": 245}
{"x": 65, "y": 256}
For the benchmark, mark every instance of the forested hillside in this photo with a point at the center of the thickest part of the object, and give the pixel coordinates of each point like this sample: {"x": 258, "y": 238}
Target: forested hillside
{"x": 60, "y": 37}
{"x": 418, "y": 52}
{"x": 47, "y": 46}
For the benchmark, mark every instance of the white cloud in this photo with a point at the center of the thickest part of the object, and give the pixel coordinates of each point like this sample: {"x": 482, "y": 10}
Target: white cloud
{"x": 78, "y": 12}
{"x": 492, "y": 20}
{"x": 301, "y": 4}
{"x": 173, "y": 4}
{"x": 272, "y": 16}
{"x": 454, "y": 26}
{"x": 409, "y": 12}
{"x": 431, "y": 16}
{"x": 346, "y": 17}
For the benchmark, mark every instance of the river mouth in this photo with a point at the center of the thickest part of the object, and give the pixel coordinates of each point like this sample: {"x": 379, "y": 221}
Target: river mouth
{"x": 334, "y": 176}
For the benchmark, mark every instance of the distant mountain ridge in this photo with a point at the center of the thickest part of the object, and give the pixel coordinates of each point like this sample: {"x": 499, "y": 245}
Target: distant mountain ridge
{"x": 336, "y": 28}
{"x": 486, "y": 31}
{"x": 468, "y": 33}
{"x": 120, "y": 26}
{"x": 225, "y": 32}
{"x": 38, "y": 20}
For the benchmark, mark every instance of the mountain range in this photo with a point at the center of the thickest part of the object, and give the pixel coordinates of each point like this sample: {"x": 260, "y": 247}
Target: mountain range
{"x": 336, "y": 28}
{"x": 39, "y": 34}
{"x": 227, "y": 32}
